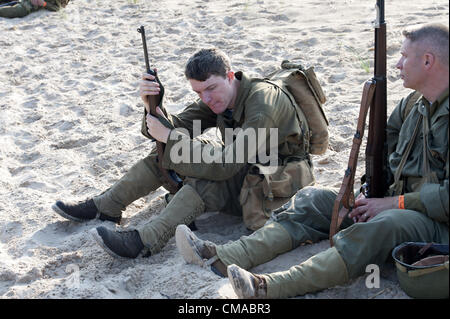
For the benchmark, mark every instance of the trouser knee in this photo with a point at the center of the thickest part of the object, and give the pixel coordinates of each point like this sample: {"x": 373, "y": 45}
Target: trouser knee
{"x": 372, "y": 242}
{"x": 259, "y": 247}
{"x": 141, "y": 179}
{"x": 184, "y": 207}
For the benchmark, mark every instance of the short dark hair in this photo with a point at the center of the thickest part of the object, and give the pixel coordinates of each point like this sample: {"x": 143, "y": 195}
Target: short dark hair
{"x": 434, "y": 36}
{"x": 207, "y": 62}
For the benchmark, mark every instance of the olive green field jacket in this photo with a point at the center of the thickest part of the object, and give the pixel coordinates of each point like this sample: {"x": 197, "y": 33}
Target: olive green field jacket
{"x": 259, "y": 105}
{"x": 431, "y": 199}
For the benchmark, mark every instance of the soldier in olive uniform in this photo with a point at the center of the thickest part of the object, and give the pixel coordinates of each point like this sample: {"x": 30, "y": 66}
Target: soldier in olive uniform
{"x": 26, "y": 7}
{"x": 228, "y": 100}
{"x": 416, "y": 208}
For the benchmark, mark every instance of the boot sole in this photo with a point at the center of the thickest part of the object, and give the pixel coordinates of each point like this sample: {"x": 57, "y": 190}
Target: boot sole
{"x": 99, "y": 240}
{"x": 60, "y": 212}
{"x": 237, "y": 282}
{"x": 186, "y": 246}
{"x": 100, "y": 216}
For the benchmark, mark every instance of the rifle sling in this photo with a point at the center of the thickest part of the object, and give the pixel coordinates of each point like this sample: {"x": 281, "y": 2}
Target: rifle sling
{"x": 398, "y": 183}
{"x": 346, "y": 194}
{"x": 428, "y": 176}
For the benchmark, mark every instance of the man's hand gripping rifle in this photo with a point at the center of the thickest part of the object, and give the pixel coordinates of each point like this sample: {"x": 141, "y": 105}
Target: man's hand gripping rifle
{"x": 170, "y": 179}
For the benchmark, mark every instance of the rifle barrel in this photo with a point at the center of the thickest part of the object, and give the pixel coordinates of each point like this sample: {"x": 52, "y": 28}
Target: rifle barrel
{"x": 376, "y": 151}
{"x": 141, "y": 30}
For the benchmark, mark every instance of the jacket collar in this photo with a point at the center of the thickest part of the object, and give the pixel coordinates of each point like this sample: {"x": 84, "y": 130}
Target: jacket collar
{"x": 437, "y": 108}
{"x": 440, "y": 106}
{"x": 242, "y": 93}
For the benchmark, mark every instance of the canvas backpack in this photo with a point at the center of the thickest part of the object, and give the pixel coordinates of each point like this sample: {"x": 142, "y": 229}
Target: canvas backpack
{"x": 261, "y": 194}
{"x": 302, "y": 84}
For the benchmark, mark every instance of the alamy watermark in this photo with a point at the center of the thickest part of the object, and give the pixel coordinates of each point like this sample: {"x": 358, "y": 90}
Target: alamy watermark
{"x": 73, "y": 280}
{"x": 248, "y": 145}
{"x": 373, "y": 279}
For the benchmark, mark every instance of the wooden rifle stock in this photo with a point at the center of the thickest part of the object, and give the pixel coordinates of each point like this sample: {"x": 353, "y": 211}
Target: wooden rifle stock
{"x": 170, "y": 180}
{"x": 374, "y": 97}
{"x": 346, "y": 197}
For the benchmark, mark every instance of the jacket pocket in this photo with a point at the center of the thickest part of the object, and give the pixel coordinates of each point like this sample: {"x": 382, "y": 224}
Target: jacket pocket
{"x": 261, "y": 194}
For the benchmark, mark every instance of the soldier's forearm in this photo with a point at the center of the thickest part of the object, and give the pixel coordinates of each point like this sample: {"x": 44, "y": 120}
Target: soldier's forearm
{"x": 434, "y": 198}
{"x": 196, "y": 159}
{"x": 413, "y": 202}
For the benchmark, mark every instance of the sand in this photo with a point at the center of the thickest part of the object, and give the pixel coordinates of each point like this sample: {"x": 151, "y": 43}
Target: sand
{"x": 70, "y": 118}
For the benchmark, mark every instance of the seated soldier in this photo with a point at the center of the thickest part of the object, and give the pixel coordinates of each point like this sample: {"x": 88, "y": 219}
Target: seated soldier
{"x": 25, "y": 7}
{"x": 230, "y": 101}
{"x": 416, "y": 212}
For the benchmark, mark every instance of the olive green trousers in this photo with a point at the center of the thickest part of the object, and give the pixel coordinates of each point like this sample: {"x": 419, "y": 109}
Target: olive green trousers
{"x": 306, "y": 219}
{"x": 18, "y": 10}
{"x": 195, "y": 197}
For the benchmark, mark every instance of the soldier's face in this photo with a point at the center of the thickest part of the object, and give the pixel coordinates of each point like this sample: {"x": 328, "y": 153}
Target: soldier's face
{"x": 411, "y": 65}
{"x": 216, "y": 92}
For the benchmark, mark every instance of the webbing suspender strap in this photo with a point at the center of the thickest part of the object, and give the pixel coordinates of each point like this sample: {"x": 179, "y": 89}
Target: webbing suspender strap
{"x": 398, "y": 183}
{"x": 346, "y": 195}
{"x": 428, "y": 176}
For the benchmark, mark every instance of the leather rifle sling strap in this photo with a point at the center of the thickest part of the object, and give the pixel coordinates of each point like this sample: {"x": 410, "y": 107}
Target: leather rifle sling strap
{"x": 346, "y": 195}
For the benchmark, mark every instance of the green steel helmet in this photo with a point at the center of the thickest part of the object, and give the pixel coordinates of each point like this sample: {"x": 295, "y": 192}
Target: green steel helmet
{"x": 422, "y": 269}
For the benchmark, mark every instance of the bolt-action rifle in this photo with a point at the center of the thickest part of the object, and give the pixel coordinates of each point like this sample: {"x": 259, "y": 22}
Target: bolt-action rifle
{"x": 171, "y": 181}
{"x": 374, "y": 97}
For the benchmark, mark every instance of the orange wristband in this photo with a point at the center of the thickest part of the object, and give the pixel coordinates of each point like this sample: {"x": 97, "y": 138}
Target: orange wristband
{"x": 401, "y": 202}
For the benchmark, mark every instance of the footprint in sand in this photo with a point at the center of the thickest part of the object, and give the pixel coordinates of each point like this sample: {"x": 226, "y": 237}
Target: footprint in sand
{"x": 69, "y": 144}
{"x": 279, "y": 17}
{"x": 31, "y": 104}
{"x": 28, "y": 158}
{"x": 32, "y": 275}
{"x": 38, "y": 186}
{"x": 255, "y": 54}
{"x": 7, "y": 275}
{"x": 10, "y": 231}
{"x": 31, "y": 118}
{"x": 334, "y": 78}
{"x": 229, "y": 21}
{"x": 306, "y": 43}
{"x": 63, "y": 126}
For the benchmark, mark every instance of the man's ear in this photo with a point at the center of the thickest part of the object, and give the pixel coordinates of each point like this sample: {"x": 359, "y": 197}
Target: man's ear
{"x": 428, "y": 60}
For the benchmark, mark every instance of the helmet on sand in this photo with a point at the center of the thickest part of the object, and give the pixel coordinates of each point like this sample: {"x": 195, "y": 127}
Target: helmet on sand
{"x": 422, "y": 269}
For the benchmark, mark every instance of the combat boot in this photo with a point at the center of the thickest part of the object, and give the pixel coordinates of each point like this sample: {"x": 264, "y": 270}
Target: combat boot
{"x": 245, "y": 284}
{"x": 82, "y": 211}
{"x": 199, "y": 252}
{"x": 126, "y": 244}
{"x": 324, "y": 270}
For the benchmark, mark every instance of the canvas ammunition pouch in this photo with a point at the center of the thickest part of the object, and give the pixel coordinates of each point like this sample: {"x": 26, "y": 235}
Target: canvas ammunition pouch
{"x": 422, "y": 269}
{"x": 263, "y": 193}
{"x": 304, "y": 87}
